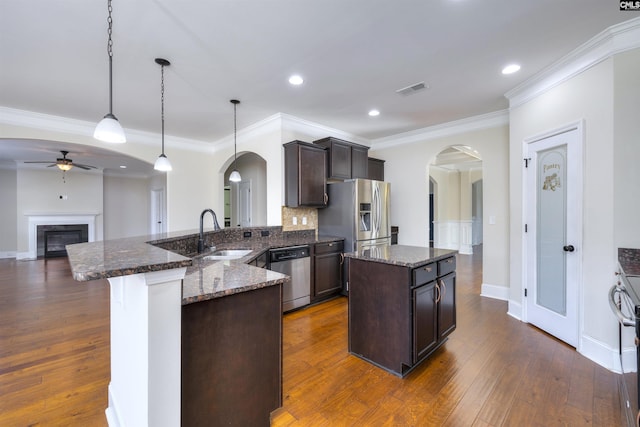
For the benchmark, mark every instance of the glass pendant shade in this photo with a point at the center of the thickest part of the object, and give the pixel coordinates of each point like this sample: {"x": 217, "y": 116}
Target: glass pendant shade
{"x": 235, "y": 176}
{"x": 109, "y": 130}
{"x": 162, "y": 164}
{"x": 64, "y": 166}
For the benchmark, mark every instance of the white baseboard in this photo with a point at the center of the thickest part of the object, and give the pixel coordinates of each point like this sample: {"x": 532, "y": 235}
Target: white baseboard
{"x": 25, "y": 255}
{"x": 515, "y": 310}
{"x": 495, "y": 292}
{"x": 604, "y": 355}
{"x": 7, "y": 254}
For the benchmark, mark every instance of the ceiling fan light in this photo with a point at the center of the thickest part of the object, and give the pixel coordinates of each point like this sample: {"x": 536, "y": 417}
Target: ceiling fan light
{"x": 162, "y": 164}
{"x": 109, "y": 130}
{"x": 64, "y": 166}
{"x": 235, "y": 176}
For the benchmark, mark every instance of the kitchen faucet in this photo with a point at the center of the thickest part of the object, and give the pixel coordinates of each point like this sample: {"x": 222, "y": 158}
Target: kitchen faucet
{"x": 216, "y": 226}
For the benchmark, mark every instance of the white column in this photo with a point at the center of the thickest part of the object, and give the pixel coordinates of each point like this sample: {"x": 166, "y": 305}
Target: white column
{"x": 145, "y": 349}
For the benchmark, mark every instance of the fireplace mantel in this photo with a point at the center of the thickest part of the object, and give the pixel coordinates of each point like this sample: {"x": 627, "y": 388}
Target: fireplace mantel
{"x": 36, "y": 219}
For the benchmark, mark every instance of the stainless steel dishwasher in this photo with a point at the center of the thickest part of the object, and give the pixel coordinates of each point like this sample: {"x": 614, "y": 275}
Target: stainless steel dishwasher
{"x": 293, "y": 261}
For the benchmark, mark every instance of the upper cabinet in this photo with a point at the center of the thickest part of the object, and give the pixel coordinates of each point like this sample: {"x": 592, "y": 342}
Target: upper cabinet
{"x": 376, "y": 169}
{"x": 346, "y": 160}
{"x": 304, "y": 169}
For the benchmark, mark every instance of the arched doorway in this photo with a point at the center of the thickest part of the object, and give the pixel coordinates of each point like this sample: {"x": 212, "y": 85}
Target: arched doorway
{"x": 245, "y": 202}
{"x": 455, "y": 199}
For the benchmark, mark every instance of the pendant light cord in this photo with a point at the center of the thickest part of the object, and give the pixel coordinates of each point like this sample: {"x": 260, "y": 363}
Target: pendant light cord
{"x": 162, "y": 102}
{"x": 110, "y": 53}
{"x": 235, "y": 132}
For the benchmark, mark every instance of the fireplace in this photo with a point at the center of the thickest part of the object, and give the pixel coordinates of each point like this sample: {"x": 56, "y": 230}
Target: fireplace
{"x": 72, "y": 221}
{"x": 55, "y": 241}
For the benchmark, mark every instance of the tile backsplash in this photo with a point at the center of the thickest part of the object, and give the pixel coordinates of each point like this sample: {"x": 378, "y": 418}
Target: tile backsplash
{"x": 301, "y": 215}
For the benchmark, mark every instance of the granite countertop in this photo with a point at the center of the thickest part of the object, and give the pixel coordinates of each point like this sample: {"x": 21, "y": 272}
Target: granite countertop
{"x": 204, "y": 279}
{"x": 629, "y": 260}
{"x": 406, "y": 256}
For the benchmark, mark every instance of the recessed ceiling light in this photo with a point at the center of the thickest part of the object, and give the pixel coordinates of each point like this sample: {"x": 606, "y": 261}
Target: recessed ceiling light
{"x": 374, "y": 113}
{"x": 296, "y": 80}
{"x": 123, "y": 167}
{"x": 510, "y": 69}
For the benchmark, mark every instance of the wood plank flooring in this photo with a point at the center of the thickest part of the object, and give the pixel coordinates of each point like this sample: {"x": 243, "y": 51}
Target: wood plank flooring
{"x": 493, "y": 371}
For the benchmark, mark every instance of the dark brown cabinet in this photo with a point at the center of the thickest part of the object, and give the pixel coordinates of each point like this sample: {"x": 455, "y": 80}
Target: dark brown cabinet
{"x": 346, "y": 160}
{"x": 305, "y": 180}
{"x": 232, "y": 359}
{"x": 327, "y": 269}
{"x": 399, "y": 315}
{"x": 376, "y": 169}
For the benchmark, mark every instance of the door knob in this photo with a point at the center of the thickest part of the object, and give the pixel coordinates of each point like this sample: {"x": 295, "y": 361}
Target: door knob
{"x": 569, "y": 248}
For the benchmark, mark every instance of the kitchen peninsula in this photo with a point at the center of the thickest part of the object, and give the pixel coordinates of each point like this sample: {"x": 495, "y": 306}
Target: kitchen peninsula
{"x": 402, "y": 304}
{"x": 192, "y": 339}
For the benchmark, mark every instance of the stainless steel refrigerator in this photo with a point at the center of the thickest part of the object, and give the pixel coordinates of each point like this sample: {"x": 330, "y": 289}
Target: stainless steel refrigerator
{"x": 358, "y": 210}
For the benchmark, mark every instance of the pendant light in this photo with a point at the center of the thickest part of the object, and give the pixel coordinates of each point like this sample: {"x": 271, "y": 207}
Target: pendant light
{"x": 235, "y": 175}
{"x": 109, "y": 129}
{"x": 162, "y": 163}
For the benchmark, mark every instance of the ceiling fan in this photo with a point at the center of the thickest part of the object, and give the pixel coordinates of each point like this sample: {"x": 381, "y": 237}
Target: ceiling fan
{"x": 65, "y": 164}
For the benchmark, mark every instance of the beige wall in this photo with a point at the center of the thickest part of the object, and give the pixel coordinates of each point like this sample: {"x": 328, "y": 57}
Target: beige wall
{"x": 407, "y": 169}
{"x": 39, "y": 192}
{"x": 8, "y": 211}
{"x": 126, "y": 207}
{"x": 589, "y": 97}
{"x": 627, "y": 150}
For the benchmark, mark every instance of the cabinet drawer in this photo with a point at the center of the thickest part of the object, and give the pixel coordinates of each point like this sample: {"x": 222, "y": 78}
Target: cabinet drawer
{"x": 424, "y": 274}
{"x": 330, "y": 247}
{"x": 446, "y": 266}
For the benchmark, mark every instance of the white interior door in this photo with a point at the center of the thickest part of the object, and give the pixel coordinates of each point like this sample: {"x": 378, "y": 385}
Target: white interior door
{"x": 158, "y": 224}
{"x": 554, "y": 233}
{"x": 244, "y": 201}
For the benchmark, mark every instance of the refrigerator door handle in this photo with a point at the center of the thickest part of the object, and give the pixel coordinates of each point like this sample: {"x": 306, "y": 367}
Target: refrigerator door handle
{"x": 375, "y": 211}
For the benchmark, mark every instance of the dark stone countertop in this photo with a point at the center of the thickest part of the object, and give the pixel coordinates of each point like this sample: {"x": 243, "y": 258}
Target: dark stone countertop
{"x": 204, "y": 279}
{"x": 629, "y": 260}
{"x": 406, "y": 256}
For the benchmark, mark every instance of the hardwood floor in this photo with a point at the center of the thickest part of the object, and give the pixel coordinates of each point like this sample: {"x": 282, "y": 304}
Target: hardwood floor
{"x": 493, "y": 371}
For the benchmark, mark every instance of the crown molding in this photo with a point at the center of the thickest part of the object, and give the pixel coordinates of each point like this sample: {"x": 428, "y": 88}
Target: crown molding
{"x": 484, "y": 121}
{"x": 258, "y": 129}
{"x": 51, "y": 123}
{"x": 615, "y": 39}
{"x": 293, "y": 123}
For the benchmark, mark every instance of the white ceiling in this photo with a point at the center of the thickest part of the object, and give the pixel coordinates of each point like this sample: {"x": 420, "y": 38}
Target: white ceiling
{"x": 353, "y": 54}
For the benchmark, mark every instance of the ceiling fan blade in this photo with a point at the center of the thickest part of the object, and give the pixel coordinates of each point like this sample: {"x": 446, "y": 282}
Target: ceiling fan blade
{"x": 80, "y": 165}
{"x": 41, "y": 161}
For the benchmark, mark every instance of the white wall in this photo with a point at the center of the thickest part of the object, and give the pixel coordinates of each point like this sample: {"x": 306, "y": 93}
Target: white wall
{"x": 407, "y": 169}
{"x": 39, "y": 192}
{"x": 8, "y": 211}
{"x": 588, "y": 96}
{"x": 627, "y": 150}
{"x": 126, "y": 207}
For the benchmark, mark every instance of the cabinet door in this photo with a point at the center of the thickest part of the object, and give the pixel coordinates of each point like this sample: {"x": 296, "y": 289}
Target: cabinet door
{"x": 376, "y": 169}
{"x": 359, "y": 162}
{"x": 340, "y": 162}
{"x": 313, "y": 186}
{"x": 447, "y": 305}
{"x": 327, "y": 274}
{"x": 425, "y": 320}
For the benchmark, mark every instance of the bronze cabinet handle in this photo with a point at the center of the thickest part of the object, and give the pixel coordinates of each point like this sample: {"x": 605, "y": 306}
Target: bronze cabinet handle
{"x": 437, "y": 293}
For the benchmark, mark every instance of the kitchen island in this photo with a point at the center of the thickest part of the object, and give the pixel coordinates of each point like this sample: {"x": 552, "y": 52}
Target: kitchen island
{"x": 402, "y": 304}
{"x": 194, "y": 341}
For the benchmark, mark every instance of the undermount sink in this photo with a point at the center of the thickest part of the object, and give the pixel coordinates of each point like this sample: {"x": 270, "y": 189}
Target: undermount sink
{"x": 227, "y": 254}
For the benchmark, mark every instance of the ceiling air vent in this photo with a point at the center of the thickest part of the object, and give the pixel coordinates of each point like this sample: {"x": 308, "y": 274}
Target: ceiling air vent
{"x": 417, "y": 87}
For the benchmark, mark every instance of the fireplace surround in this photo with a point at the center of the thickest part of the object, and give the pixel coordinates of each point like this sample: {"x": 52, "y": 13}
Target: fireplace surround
{"x": 36, "y": 219}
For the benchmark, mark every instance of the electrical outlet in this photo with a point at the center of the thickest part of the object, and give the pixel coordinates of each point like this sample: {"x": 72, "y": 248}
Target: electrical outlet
{"x": 264, "y": 233}
{"x": 295, "y": 220}
{"x": 64, "y": 197}
{"x": 246, "y": 234}
{"x": 304, "y": 220}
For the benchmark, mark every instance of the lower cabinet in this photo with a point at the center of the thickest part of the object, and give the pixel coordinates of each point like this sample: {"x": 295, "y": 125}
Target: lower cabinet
{"x": 399, "y": 315}
{"x": 327, "y": 269}
{"x": 232, "y": 359}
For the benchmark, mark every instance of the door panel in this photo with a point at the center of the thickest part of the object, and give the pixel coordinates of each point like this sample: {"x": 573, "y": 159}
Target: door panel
{"x": 553, "y": 215}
